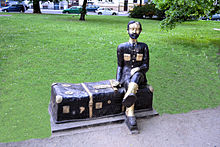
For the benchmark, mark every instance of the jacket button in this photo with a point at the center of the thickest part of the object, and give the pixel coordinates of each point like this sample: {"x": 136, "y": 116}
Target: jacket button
{"x": 132, "y": 66}
{"x": 132, "y": 60}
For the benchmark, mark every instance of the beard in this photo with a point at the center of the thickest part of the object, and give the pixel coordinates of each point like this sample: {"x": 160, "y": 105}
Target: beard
{"x": 134, "y": 35}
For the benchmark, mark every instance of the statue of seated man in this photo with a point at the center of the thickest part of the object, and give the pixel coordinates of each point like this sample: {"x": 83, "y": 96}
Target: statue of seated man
{"x": 133, "y": 63}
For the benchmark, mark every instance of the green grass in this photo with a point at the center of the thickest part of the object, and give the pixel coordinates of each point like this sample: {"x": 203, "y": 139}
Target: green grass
{"x": 38, "y": 50}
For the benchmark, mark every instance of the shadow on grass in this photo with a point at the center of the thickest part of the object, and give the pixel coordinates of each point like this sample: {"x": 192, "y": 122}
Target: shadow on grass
{"x": 189, "y": 43}
{"x": 216, "y": 42}
{"x": 211, "y": 47}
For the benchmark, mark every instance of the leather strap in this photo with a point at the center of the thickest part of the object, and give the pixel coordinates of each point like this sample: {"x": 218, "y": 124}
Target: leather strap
{"x": 90, "y": 99}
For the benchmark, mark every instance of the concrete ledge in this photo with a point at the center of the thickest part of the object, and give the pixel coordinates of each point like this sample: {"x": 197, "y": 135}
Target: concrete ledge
{"x": 98, "y": 121}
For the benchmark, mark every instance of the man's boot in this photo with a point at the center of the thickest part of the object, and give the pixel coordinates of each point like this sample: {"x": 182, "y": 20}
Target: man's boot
{"x": 130, "y": 96}
{"x": 131, "y": 120}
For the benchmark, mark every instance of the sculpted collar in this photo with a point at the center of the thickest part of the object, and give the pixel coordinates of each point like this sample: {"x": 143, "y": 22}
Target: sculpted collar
{"x": 133, "y": 44}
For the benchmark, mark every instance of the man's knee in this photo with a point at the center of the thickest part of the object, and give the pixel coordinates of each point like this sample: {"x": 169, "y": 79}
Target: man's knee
{"x": 138, "y": 78}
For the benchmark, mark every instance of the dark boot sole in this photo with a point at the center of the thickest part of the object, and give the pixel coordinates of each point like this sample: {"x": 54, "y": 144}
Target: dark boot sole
{"x": 129, "y": 101}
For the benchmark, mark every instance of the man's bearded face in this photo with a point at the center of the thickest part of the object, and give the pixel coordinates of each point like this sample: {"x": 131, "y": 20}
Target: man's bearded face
{"x": 134, "y": 30}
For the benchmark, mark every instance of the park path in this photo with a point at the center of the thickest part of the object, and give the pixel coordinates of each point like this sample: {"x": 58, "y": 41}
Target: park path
{"x": 198, "y": 128}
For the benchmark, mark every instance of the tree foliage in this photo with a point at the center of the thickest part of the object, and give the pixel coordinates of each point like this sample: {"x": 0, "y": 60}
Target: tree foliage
{"x": 178, "y": 11}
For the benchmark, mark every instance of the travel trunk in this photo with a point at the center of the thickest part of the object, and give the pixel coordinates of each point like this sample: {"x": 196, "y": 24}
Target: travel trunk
{"x": 76, "y": 102}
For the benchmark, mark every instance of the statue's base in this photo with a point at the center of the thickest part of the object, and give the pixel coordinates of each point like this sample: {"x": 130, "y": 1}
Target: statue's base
{"x": 98, "y": 121}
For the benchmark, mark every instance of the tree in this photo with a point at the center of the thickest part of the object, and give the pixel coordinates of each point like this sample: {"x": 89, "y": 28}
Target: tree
{"x": 83, "y": 12}
{"x": 140, "y": 3}
{"x": 178, "y": 11}
{"x": 36, "y": 6}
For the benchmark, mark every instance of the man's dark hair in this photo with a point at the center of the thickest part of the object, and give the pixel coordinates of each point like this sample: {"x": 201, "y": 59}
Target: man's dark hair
{"x": 131, "y": 22}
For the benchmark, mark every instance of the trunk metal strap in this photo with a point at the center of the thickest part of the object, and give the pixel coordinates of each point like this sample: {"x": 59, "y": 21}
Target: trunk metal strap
{"x": 114, "y": 88}
{"x": 90, "y": 99}
{"x": 102, "y": 86}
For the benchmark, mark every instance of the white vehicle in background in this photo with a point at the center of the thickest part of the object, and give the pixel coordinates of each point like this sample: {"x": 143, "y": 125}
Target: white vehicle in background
{"x": 106, "y": 11}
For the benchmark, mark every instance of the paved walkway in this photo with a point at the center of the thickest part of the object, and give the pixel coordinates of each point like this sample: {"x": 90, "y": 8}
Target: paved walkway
{"x": 197, "y": 129}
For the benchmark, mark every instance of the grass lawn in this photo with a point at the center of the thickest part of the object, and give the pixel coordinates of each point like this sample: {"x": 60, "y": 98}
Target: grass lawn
{"x": 38, "y": 50}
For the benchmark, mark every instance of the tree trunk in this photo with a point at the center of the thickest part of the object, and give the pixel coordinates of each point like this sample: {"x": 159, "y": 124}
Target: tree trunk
{"x": 83, "y": 12}
{"x": 140, "y": 3}
{"x": 36, "y": 6}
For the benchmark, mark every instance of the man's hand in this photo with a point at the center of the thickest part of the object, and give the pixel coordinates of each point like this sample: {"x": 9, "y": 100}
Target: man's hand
{"x": 134, "y": 70}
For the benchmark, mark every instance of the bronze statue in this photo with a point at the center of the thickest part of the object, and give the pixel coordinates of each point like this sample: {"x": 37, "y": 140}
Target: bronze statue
{"x": 133, "y": 63}
{"x": 71, "y": 103}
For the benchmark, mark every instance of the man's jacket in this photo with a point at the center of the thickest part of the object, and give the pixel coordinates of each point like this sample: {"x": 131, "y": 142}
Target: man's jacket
{"x": 131, "y": 56}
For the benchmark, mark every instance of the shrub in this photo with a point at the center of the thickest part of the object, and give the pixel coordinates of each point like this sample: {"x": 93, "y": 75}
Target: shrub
{"x": 148, "y": 10}
{"x": 137, "y": 12}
